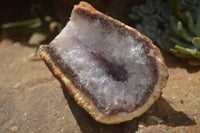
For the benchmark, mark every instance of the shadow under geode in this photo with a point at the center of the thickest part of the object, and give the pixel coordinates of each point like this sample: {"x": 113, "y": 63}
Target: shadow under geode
{"x": 160, "y": 109}
{"x": 165, "y": 114}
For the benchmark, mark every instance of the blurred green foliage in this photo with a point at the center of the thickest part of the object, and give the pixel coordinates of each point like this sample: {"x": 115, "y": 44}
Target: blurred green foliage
{"x": 173, "y": 25}
{"x": 39, "y": 22}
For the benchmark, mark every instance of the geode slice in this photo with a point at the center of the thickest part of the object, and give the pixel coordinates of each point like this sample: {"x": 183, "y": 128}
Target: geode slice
{"x": 109, "y": 68}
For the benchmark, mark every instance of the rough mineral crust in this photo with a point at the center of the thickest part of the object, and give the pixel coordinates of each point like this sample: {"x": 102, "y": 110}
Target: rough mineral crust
{"x": 109, "y": 68}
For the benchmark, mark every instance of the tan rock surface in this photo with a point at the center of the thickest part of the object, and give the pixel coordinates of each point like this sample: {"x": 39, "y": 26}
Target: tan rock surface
{"x": 32, "y": 100}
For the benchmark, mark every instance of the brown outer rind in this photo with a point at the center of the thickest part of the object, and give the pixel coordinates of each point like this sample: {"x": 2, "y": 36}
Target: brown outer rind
{"x": 87, "y": 103}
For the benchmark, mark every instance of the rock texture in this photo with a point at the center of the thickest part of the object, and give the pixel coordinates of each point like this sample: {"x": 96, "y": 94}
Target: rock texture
{"x": 32, "y": 100}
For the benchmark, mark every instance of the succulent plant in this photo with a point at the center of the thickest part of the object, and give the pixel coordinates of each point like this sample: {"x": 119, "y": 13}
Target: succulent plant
{"x": 186, "y": 27}
{"x": 152, "y": 19}
{"x": 172, "y": 25}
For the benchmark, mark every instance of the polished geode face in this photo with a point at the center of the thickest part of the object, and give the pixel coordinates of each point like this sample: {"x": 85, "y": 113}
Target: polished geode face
{"x": 108, "y": 66}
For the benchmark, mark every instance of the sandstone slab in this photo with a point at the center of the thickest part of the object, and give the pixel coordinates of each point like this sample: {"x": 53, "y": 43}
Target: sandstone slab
{"x": 32, "y": 100}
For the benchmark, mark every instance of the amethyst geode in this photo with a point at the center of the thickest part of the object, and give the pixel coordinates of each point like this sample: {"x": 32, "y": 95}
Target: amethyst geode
{"x": 115, "y": 69}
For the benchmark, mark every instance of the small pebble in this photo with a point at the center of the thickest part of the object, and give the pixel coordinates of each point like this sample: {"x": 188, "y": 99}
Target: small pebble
{"x": 16, "y": 85}
{"x": 181, "y": 101}
{"x": 157, "y": 119}
{"x": 14, "y": 128}
{"x": 140, "y": 126}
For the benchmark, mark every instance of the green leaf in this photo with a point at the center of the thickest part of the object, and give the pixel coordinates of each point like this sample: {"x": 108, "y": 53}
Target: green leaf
{"x": 178, "y": 54}
{"x": 196, "y": 42}
{"x": 150, "y": 28}
{"x": 27, "y": 23}
{"x": 185, "y": 51}
{"x": 148, "y": 8}
{"x": 150, "y": 22}
{"x": 183, "y": 33}
{"x": 196, "y": 54}
{"x": 174, "y": 4}
{"x": 164, "y": 43}
{"x": 179, "y": 31}
{"x": 165, "y": 11}
{"x": 194, "y": 29}
{"x": 190, "y": 21}
{"x": 178, "y": 42}
{"x": 142, "y": 15}
{"x": 160, "y": 18}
